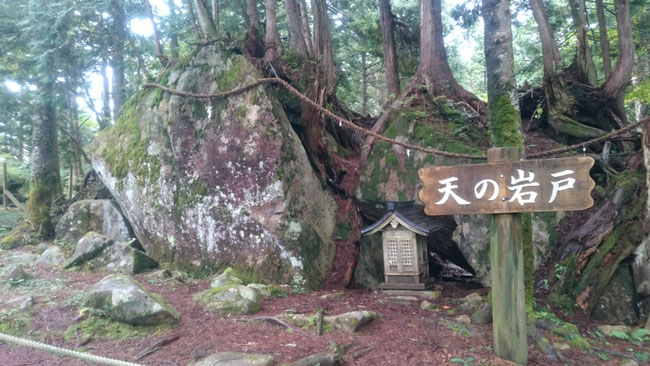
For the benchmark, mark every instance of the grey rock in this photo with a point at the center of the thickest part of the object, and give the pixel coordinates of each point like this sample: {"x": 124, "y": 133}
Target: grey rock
{"x": 473, "y": 239}
{"x": 248, "y": 194}
{"x": 608, "y": 330}
{"x": 227, "y": 278}
{"x": 20, "y": 302}
{"x": 52, "y": 255}
{"x": 319, "y": 359}
{"x": 88, "y": 247}
{"x": 618, "y": 304}
{"x": 22, "y": 258}
{"x": 17, "y": 272}
{"x": 426, "y": 305}
{"x": 628, "y": 362}
{"x": 101, "y": 216}
{"x": 352, "y": 321}
{"x": 333, "y": 295}
{"x": 229, "y": 300}
{"x": 463, "y": 319}
{"x": 470, "y": 303}
{"x": 483, "y": 315}
{"x": 127, "y": 301}
{"x": 123, "y": 258}
{"x": 236, "y": 359}
{"x": 369, "y": 271}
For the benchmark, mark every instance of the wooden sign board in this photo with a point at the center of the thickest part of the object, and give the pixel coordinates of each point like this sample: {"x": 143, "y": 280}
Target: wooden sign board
{"x": 495, "y": 188}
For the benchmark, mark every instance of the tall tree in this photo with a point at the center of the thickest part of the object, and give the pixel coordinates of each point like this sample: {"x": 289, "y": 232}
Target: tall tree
{"x": 507, "y": 241}
{"x": 304, "y": 22}
{"x": 271, "y": 40}
{"x": 604, "y": 41}
{"x": 118, "y": 65}
{"x": 390, "y": 54}
{"x": 296, "y": 37}
{"x": 206, "y": 20}
{"x": 323, "y": 47}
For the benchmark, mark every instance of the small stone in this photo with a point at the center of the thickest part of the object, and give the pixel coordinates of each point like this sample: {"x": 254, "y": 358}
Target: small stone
{"x": 432, "y": 295}
{"x": 470, "y": 303}
{"x": 88, "y": 247}
{"x": 22, "y": 258}
{"x": 426, "y": 305}
{"x": 227, "y": 278}
{"x": 16, "y": 272}
{"x": 483, "y": 315}
{"x": 401, "y": 299}
{"x": 334, "y": 295}
{"x": 52, "y": 256}
{"x": 229, "y": 300}
{"x": 352, "y": 321}
{"x": 320, "y": 359}
{"x": 628, "y": 362}
{"x": 21, "y": 302}
{"x": 463, "y": 319}
{"x": 236, "y": 359}
{"x": 561, "y": 346}
{"x": 609, "y": 329}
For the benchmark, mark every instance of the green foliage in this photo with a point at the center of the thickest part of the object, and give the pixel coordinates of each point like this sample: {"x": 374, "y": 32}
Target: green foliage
{"x": 640, "y": 335}
{"x": 643, "y": 356}
{"x": 15, "y": 322}
{"x": 619, "y": 334}
{"x": 96, "y": 326}
{"x": 463, "y": 361}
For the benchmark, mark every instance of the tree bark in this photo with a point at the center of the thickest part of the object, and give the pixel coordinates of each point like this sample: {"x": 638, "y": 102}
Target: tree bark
{"x": 604, "y": 41}
{"x": 253, "y": 16}
{"x": 205, "y": 19}
{"x": 434, "y": 70}
{"x": 583, "y": 65}
{"x": 621, "y": 75}
{"x": 173, "y": 34}
{"x": 45, "y": 185}
{"x": 390, "y": 55}
{"x": 160, "y": 52}
{"x": 105, "y": 118}
{"x": 364, "y": 84}
{"x": 550, "y": 53}
{"x": 296, "y": 37}
{"x": 323, "y": 47}
{"x": 215, "y": 15}
{"x": 271, "y": 41}
{"x": 190, "y": 11}
{"x": 304, "y": 22}
{"x": 510, "y": 234}
{"x": 118, "y": 38}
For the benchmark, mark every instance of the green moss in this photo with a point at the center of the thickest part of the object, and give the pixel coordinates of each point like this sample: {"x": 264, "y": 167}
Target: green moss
{"x": 15, "y": 322}
{"x": 505, "y": 123}
{"x": 580, "y": 343}
{"x": 198, "y": 109}
{"x": 343, "y": 230}
{"x": 97, "y": 327}
{"x": 293, "y": 59}
{"x": 157, "y": 98}
{"x": 529, "y": 259}
{"x": 238, "y": 71}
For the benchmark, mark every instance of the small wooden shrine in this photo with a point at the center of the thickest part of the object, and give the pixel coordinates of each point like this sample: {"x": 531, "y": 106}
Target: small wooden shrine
{"x": 405, "y": 228}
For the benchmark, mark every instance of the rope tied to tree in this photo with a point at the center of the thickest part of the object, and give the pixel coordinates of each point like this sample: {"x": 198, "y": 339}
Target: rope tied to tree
{"x": 350, "y": 125}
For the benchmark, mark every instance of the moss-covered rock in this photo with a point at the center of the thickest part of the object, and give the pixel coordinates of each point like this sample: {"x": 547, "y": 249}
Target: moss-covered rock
{"x": 101, "y": 216}
{"x": 210, "y": 184}
{"x": 124, "y": 300}
{"x": 236, "y": 299}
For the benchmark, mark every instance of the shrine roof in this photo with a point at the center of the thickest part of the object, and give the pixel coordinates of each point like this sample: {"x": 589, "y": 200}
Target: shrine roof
{"x": 409, "y": 215}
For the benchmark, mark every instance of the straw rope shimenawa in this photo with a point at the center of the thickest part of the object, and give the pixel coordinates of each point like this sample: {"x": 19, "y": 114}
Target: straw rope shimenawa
{"x": 361, "y": 130}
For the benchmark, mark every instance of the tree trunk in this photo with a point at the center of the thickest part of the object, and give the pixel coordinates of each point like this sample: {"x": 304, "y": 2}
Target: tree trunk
{"x": 604, "y": 41}
{"x": 550, "y": 53}
{"x": 118, "y": 38}
{"x": 364, "y": 84}
{"x": 208, "y": 28}
{"x": 173, "y": 34}
{"x": 390, "y": 55}
{"x": 190, "y": 11}
{"x": 271, "y": 41}
{"x": 510, "y": 232}
{"x": 215, "y": 15}
{"x": 105, "y": 118}
{"x": 434, "y": 70}
{"x": 160, "y": 52}
{"x": 253, "y": 16}
{"x": 304, "y": 22}
{"x": 323, "y": 47}
{"x": 296, "y": 37}
{"x": 620, "y": 77}
{"x": 45, "y": 185}
{"x": 583, "y": 66}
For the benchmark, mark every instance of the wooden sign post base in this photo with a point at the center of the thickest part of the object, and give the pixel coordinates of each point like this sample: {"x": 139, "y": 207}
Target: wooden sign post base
{"x": 507, "y": 267}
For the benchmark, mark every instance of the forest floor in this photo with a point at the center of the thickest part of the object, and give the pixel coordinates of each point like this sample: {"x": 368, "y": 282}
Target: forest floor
{"x": 403, "y": 334}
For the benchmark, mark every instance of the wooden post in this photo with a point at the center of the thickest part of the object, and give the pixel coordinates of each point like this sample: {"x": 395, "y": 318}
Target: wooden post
{"x": 70, "y": 183}
{"x": 507, "y": 267}
{"x": 4, "y": 186}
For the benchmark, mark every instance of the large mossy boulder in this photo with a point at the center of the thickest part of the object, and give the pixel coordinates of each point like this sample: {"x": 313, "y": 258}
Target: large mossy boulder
{"x": 207, "y": 184}
{"x": 124, "y": 300}
{"x": 101, "y": 216}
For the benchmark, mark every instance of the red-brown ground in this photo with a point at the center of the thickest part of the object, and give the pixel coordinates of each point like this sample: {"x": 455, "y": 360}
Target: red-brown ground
{"x": 402, "y": 335}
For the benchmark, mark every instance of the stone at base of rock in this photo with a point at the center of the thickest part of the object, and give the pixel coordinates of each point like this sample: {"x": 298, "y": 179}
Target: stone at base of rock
{"x": 429, "y": 295}
{"x": 17, "y": 272}
{"x": 463, "y": 319}
{"x": 608, "y": 330}
{"x": 483, "y": 315}
{"x": 236, "y": 359}
{"x": 319, "y": 359}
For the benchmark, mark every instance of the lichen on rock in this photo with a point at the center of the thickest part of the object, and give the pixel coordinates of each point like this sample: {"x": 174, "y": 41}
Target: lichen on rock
{"x": 208, "y": 184}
